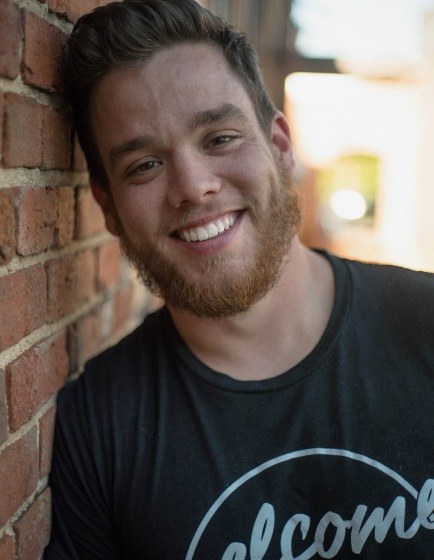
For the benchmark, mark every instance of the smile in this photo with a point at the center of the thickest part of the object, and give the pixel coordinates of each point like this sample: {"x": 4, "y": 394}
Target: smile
{"x": 209, "y": 230}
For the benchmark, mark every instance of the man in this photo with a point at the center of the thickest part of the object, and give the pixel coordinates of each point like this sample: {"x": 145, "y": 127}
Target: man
{"x": 281, "y": 404}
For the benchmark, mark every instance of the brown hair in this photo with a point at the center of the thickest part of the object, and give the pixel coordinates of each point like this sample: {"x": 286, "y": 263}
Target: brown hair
{"x": 124, "y": 34}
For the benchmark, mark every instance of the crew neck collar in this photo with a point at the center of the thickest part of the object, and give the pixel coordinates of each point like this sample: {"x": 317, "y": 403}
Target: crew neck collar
{"x": 324, "y": 346}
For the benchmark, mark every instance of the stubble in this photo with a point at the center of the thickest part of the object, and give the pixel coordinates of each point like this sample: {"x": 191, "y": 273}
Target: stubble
{"x": 221, "y": 291}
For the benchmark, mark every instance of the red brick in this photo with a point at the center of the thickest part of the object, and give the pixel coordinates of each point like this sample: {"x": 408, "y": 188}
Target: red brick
{"x": 46, "y": 433}
{"x": 18, "y": 473}
{"x": 10, "y": 33}
{"x": 42, "y": 56}
{"x": 33, "y": 528}
{"x": 56, "y": 138}
{"x": 64, "y": 232}
{"x": 86, "y": 337}
{"x": 34, "y": 377}
{"x": 109, "y": 265}
{"x": 73, "y": 9}
{"x": 71, "y": 282}
{"x": 3, "y": 409}
{"x": 2, "y": 102}
{"x": 7, "y": 225}
{"x": 45, "y": 219}
{"x": 90, "y": 219}
{"x": 7, "y": 548}
{"x": 36, "y": 220}
{"x": 23, "y": 304}
{"x": 22, "y": 135}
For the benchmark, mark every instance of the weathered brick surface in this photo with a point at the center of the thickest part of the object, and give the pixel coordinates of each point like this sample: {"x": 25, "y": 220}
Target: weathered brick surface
{"x": 7, "y": 548}
{"x": 45, "y": 219}
{"x": 3, "y": 409}
{"x": 73, "y": 9}
{"x": 33, "y": 528}
{"x": 35, "y": 135}
{"x": 42, "y": 55}
{"x": 56, "y": 143}
{"x": 109, "y": 265}
{"x": 23, "y": 304}
{"x": 64, "y": 232}
{"x": 18, "y": 473}
{"x": 85, "y": 338}
{"x": 71, "y": 282}
{"x": 34, "y": 377}
{"x": 36, "y": 220}
{"x": 10, "y": 33}
{"x": 90, "y": 219}
{"x": 46, "y": 433}
{"x": 22, "y": 138}
{"x": 7, "y": 225}
{"x": 2, "y": 102}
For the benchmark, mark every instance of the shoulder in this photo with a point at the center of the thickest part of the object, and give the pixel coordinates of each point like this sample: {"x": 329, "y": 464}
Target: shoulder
{"x": 402, "y": 298}
{"x": 391, "y": 282}
{"x": 389, "y": 276}
{"x": 119, "y": 374}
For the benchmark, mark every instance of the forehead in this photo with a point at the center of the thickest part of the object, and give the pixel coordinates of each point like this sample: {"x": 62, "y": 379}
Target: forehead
{"x": 166, "y": 91}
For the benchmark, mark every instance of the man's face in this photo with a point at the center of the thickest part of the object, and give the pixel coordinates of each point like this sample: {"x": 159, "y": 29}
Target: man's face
{"x": 200, "y": 199}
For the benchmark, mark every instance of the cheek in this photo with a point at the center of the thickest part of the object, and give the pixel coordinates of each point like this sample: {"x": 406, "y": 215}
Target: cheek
{"x": 138, "y": 212}
{"x": 251, "y": 168}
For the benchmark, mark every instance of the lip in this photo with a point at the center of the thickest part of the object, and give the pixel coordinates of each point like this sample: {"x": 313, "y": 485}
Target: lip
{"x": 213, "y": 245}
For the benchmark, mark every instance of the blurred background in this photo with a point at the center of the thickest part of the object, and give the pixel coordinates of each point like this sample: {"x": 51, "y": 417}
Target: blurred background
{"x": 356, "y": 81}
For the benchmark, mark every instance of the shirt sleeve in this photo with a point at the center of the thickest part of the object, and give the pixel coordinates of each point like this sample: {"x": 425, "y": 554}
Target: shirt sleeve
{"x": 82, "y": 520}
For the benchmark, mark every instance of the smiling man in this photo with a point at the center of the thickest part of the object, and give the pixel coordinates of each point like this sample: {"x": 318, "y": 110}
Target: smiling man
{"x": 280, "y": 404}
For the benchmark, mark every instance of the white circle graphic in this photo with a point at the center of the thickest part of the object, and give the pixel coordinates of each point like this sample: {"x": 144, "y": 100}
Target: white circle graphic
{"x": 282, "y": 459}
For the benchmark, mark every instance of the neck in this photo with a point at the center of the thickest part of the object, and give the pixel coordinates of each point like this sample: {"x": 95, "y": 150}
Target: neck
{"x": 274, "y": 334}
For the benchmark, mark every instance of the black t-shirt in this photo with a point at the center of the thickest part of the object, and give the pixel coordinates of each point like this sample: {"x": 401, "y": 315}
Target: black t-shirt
{"x": 159, "y": 457}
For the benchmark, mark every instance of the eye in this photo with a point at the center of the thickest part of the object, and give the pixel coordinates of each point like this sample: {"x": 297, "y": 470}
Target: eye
{"x": 143, "y": 167}
{"x": 221, "y": 140}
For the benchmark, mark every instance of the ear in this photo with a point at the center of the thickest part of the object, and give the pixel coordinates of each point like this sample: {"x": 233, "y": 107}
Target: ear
{"x": 281, "y": 140}
{"x": 105, "y": 201}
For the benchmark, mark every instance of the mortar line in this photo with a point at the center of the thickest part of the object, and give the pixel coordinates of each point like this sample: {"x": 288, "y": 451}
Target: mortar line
{"x": 41, "y": 10}
{"x": 45, "y": 98}
{"x": 36, "y": 177}
{"x": 18, "y": 264}
{"x": 40, "y": 487}
{"x": 46, "y": 331}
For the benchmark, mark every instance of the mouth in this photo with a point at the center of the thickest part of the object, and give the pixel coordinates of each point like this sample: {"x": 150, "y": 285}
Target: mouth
{"x": 208, "y": 230}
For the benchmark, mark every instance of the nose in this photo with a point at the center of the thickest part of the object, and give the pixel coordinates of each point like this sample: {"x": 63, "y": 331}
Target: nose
{"x": 191, "y": 181}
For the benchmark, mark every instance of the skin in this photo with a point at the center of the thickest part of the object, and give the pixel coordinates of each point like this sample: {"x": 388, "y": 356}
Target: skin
{"x": 185, "y": 175}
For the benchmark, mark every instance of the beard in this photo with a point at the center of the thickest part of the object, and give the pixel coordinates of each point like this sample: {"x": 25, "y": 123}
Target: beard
{"x": 223, "y": 290}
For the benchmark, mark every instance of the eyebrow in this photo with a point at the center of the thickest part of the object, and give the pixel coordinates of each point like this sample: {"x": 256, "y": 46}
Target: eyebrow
{"x": 126, "y": 148}
{"x": 224, "y": 114}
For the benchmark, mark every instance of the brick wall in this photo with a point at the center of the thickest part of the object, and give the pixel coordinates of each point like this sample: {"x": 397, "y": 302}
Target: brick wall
{"x": 65, "y": 292}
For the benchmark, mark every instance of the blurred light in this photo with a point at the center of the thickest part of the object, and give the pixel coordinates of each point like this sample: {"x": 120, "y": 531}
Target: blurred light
{"x": 368, "y": 30}
{"x": 348, "y": 204}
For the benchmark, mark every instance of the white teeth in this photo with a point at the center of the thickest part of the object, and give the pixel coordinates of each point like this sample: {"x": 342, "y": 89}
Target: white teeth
{"x": 207, "y": 231}
{"x": 202, "y": 234}
{"x": 212, "y": 230}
